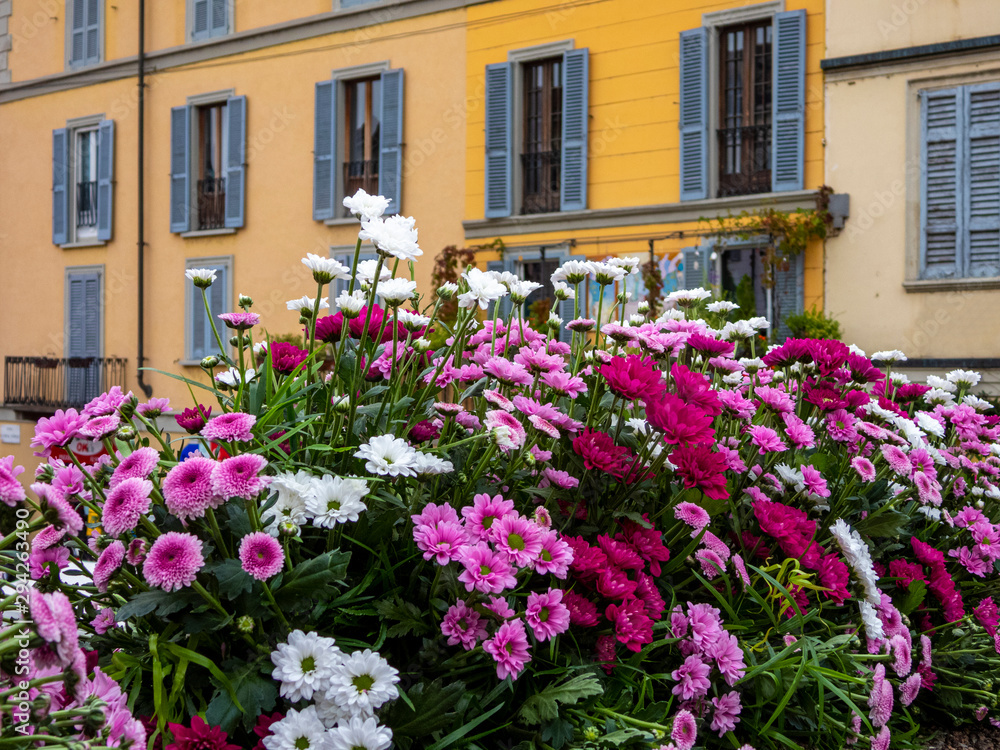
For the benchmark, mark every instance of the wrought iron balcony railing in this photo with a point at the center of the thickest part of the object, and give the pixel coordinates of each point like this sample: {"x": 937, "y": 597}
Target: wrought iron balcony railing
{"x": 361, "y": 175}
{"x": 212, "y": 203}
{"x": 540, "y": 180}
{"x": 86, "y": 204}
{"x": 744, "y": 160}
{"x": 42, "y": 383}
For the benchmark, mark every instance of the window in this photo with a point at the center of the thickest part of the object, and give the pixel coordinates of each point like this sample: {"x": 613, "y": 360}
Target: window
{"x": 537, "y": 264}
{"x": 960, "y": 182}
{"x": 744, "y": 135}
{"x": 358, "y": 138}
{"x": 82, "y": 181}
{"x": 84, "y": 32}
{"x": 208, "y": 18}
{"x": 199, "y": 340}
{"x": 537, "y": 108}
{"x": 208, "y": 164}
{"x": 84, "y": 328}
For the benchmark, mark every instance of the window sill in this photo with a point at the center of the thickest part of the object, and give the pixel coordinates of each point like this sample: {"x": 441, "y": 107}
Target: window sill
{"x": 189, "y": 362}
{"x": 342, "y": 222}
{"x": 83, "y": 243}
{"x": 951, "y": 285}
{"x": 208, "y": 232}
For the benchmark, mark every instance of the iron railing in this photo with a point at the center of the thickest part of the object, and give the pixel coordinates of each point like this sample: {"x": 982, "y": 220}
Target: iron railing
{"x": 59, "y": 383}
{"x": 361, "y": 175}
{"x": 86, "y": 204}
{"x": 212, "y": 203}
{"x": 540, "y": 180}
{"x": 744, "y": 160}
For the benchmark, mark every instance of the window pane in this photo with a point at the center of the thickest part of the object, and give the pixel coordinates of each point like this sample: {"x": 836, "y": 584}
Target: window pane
{"x": 376, "y": 110}
{"x": 357, "y": 119}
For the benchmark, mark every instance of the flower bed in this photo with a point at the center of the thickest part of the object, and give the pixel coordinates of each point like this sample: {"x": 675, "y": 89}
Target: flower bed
{"x": 655, "y": 533}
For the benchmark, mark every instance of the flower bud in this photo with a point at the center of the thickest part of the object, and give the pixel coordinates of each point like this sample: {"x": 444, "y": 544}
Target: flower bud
{"x": 591, "y": 734}
{"x": 341, "y": 404}
{"x": 210, "y": 361}
{"x": 447, "y": 290}
{"x": 234, "y": 340}
{"x": 244, "y": 624}
{"x": 422, "y": 345}
{"x": 643, "y": 306}
{"x": 288, "y": 528}
{"x": 127, "y": 409}
{"x": 245, "y": 301}
{"x": 126, "y": 432}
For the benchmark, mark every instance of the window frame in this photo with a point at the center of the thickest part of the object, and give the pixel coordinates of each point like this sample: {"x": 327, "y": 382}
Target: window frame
{"x": 191, "y": 299}
{"x": 189, "y": 23}
{"x": 74, "y": 127}
{"x": 77, "y": 65}
{"x": 371, "y": 151}
{"x": 199, "y": 103}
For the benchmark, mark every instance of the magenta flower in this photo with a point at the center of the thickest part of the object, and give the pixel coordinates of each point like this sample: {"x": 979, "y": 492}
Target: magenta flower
{"x": 484, "y": 512}
{"x": 509, "y": 648}
{"x": 101, "y": 427}
{"x": 139, "y": 464}
{"x": 546, "y": 614}
{"x": 701, "y": 467}
{"x": 613, "y": 583}
{"x": 507, "y": 372}
{"x": 538, "y": 361}
{"x": 814, "y": 481}
{"x": 442, "y": 543}
{"x": 239, "y": 321}
{"x": 464, "y": 625}
{"x": 864, "y": 467}
{"x": 235, "y": 426}
{"x": 499, "y": 606}
{"x": 801, "y": 434}
{"x": 555, "y": 555}
{"x": 153, "y": 408}
{"x": 518, "y": 538}
{"x": 693, "y": 515}
{"x": 286, "y": 357}
{"x": 633, "y": 378}
{"x": 125, "y": 505}
{"x": 840, "y": 426}
{"x": 106, "y": 403}
{"x": 57, "y": 430}
{"x": 192, "y": 420}
{"x": 909, "y": 689}
{"x": 187, "y": 488}
{"x": 632, "y": 624}
{"x": 774, "y": 398}
{"x": 239, "y": 477}
{"x": 692, "y": 678}
{"x": 766, "y": 439}
{"x": 679, "y": 421}
{"x": 136, "y": 552}
{"x": 509, "y": 431}
{"x": 261, "y": 555}
{"x": 55, "y": 623}
{"x": 725, "y": 651}
{"x": 434, "y": 515}
{"x": 39, "y": 559}
{"x": 599, "y": 451}
{"x": 710, "y": 346}
{"x": 606, "y": 652}
{"x": 11, "y": 491}
{"x": 684, "y": 731}
{"x": 485, "y": 570}
{"x": 564, "y": 384}
{"x": 104, "y": 621}
{"x": 555, "y": 477}
{"x": 108, "y": 564}
{"x": 727, "y": 712}
{"x": 880, "y": 700}
{"x": 582, "y": 611}
{"x": 173, "y": 561}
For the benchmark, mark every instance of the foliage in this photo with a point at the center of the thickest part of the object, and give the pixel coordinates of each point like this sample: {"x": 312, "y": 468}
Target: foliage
{"x": 813, "y": 324}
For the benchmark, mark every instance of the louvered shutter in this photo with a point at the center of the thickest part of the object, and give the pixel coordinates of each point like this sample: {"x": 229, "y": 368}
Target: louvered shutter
{"x": 236, "y": 158}
{"x": 105, "y": 177}
{"x": 787, "y": 295}
{"x": 180, "y": 167}
{"x": 499, "y": 266}
{"x": 354, "y": 3}
{"x": 573, "y": 182}
{"x": 941, "y": 219}
{"x": 340, "y": 285}
{"x": 390, "y": 168}
{"x": 219, "y": 22}
{"x": 78, "y": 34}
{"x": 983, "y": 156}
{"x": 499, "y": 140}
{"x": 93, "y": 33}
{"x": 694, "y": 114}
{"x": 697, "y": 267}
{"x": 202, "y": 339}
{"x": 324, "y": 138}
{"x": 84, "y": 340}
{"x": 567, "y": 307}
{"x": 201, "y": 24}
{"x": 60, "y": 186}
{"x": 788, "y": 133}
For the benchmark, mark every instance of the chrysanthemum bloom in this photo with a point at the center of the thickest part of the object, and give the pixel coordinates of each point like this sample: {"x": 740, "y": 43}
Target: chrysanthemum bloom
{"x": 555, "y": 555}
{"x": 909, "y": 689}
{"x": 239, "y": 321}
{"x": 464, "y": 625}
{"x": 193, "y": 419}
{"x": 261, "y": 555}
{"x": 546, "y": 614}
{"x": 684, "y": 730}
{"x": 125, "y": 505}
{"x": 153, "y": 408}
{"x": 678, "y": 421}
{"x": 136, "y": 552}
{"x": 508, "y": 432}
{"x": 138, "y": 464}
{"x": 693, "y": 515}
{"x": 101, "y": 427}
{"x": 363, "y": 682}
{"x": 336, "y": 500}
{"x": 442, "y": 542}
{"x": 11, "y": 491}
{"x": 485, "y": 570}
{"x": 701, "y": 467}
{"x": 518, "y": 538}
{"x": 40, "y": 560}
{"x": 234, "y": 426}
{"x": 728, "y": 656}
{"x": 814, "y": 481}
{"x": 864, "y": 467}
{"x": 766, "y": 439}
{"x": 173, "y": 561}
{"x": 387, "y": 455}
{"x": 582, "y": 611}
{"x": 301, "y": 730}
{"x": 187, "y": 488}
{"x": 104, "y": 621}
{"x": 599, "y": 451}
{"x": 633, "y": 378}
{"x": 107, "y": 403}
{"x": 880, "y": 700}
{"x": 304, "y": 665}
{"x": 564, "y": 384}
{"x": 509, "y": 648}
{"x": 286, "y": 357}
{"x": 692, "y": 678}
{"x": 108, "y": 564}
{"x": 200, "y": 736}
{"x": 484, "y": 512}
{"x": 57, "y": 430}
{"x": 360, "y": 732}
{"x": 55, "y": 623}
{"x": 555, "y": 477}
{"x": 239, "y": 476}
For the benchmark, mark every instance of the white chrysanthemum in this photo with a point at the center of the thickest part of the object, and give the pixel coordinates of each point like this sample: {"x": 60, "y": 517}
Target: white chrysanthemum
{"x": 520, "y": 289}
{"x": 366, "y": 272}
{"x": 629, "y": 265}
{"x": 299, "y": 730}
{"x": 899, "y": 378}
{"x": 555, "y": 321}
{"x": 572, "y": 271}
{"x": 483, "y": 289}
{"x": 640, "y": 426}
{"x": 738, "y": 330}
{"x": 231, "y": 377}
{"x": 890, "y": 356}
{"x": 872, "y": 623}
{"x": 202, "y": 277}
{"x": 940, "y": 396}
{"x": 363, "y": 682}
{"x": 307, "y": 303}
{"x": 360, "y": 734}
{"x": 752, "y": 365}
{"x": 396, "y": 291}
{"x": 636, "y": 320}
{"x": 305, "y": 664}
{"x": 334, "y": 500}
{"x": 388, "y": 455}
{"x": 858, "y": 557}
{"x": 364, "y": 206}
{"x": 429, "y": 464}
{"x": 395, "y": 236}
{"x": 943, "y": 383}
{"x": 563, "y": 291}
{"x": 682, "y": 296}
{"x": 326, "y": 270}
{"x": 722, "y": 306}
{"x": 412, "y": 321}
{"x": 928, "y": 423}
{"x": 447, "y": 290}
{"x": 292, "y": 490}
{"x": 964, "y": 378}
{"x": 605, "y": 273}
{"x": 330, "y": 712}
{"x": 350, "y": 304}
{"x": 976, "y": 403}
{"x": 260, "y": 349}
{"x": 913, "y": 434}
{"x": 854, "y": 349}
{"x": 790, "y": 476}
{"x": 733, "y": 378}
{"x": 932, "y": 513}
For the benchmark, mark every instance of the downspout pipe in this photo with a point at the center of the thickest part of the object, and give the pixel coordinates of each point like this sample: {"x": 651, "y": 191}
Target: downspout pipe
{"x": 141, "y": 228}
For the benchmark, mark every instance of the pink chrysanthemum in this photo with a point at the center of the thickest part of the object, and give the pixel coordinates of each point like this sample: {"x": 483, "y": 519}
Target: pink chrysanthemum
{"x": 55, "y": 623}
{"x": 582, "y": 611}
{"x": 509, "y": 648}
{"x": 555, "y": 477}
{"x": 484, "y": 512}
{"x": 442, "y": 543}
{"x": 498, "y": 399}
{"x": 57, "y": 509}
{"x": 434, "y": 515}
{"x": 693, "y": 515}
{"x": 897, "y": 459}
{"x": 544, "y": 426}
{"x": 136, "y": 552}
{"x": 564, "y": 384}
{"x": 711, "y": 564}
{"x": 39, "y": 560}
{"x": 57, "y": 430}
{"x": 546, "y": 614}
{"x": 909, "y": 689}
{"x": 684, "y": 731}
{"x": 104, "y": 621}
{"x": 554, "y": 557}
{"x": 173, "y": 561}
{"x": 261, "y": 555}
{"x": 814, "y": 481}
{"x": 725, "y": 651}
{"x": 125, "y": 505}
{"x": 153, "y": 408}
{"x": 518, "y": 538}
{"x": 106, "y": 403}
{"x": 507, "y": 372}
{"x": 766, "y": 439}
{"x": 287, "y": 357}
{"x": 632, "y": 624}
{"x": 138, "y": 464}
{"x": 11, "y": 491}
{"x": 464, "y": 625}
{"x": 101, "y": 427}
{"x": 240, "y": 321}
{"x": 187, "y": 488}
{"x": 510, "y": 433}
{"x": 882, "y": 739}
{"x": 239, "y": 477}
{"x": 864, "y": 467}
{"x": 692, "y": 678}
{"x": 727, "y": 712}
{"x": 231, "y": 427}
{"x": 499, "y": 606}
{"x": 108, "y": 564}
{"x": 485, "y": 570}
{"x": 880, "y": 700}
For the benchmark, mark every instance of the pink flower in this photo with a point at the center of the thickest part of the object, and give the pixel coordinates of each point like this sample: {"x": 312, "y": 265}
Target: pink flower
{"x": 701, "y": 467}
{"x": 510, "y": 432}
{"x": 435, "y": 515}
{"x": 546, "y": 614}
{"x": 880, "y": 700}
{"x": 774, "y": 398}
{"x": 897, "y": 459}
{"x": 11, "y": 491}
{"x": 538, "y": 361}
{"x": 57, "y": 509}
{"x": 39, "y": 560}
{"x": 840, "y": 426}
{"x": 55, "y": 623}
{"x": 239, "y": 321}
{"x": 564, "y": 384}
{"x": 499, "y": 606}
{"x": 193, "y": 419}
{"x": 679, "y": 421}
{"x": 57, "y": 430}
{"x": 544, "y": 426}
{"x": 599, "y": 451}
{"x": 561, "y": 479}
{"x": 104, "y": 621}
{"x": 693, "y": 515}
{"x": 108, "y": 564}
{"x": 864, "y": 467}
{"x": 498, "y": 399}
{"x": 153, "y": 408}
{"x": 766, "y": 439}
{"x": 582, "y": 611}
{"x": 173, "y": 561}
{"x": 286, "y": 357}
{"x": 613, "y": 583}
{"x": 442, "y": 543}
{"x": 727, "y": 712}
{"x": 238, "y": 476}
{"x": 509, "y": 648}
{"x": 633, "y": 378}
{"x": 139, "y": 464}
{"x": 684, "y": 731}
{"x": 711, "y": 564}
{"x": 485, "y": 570}
{"x": 507, "y": 372}
{"x": 484, "y": 512}
{"x": 464, "y": 625}
{"x": 801, "y": 434}
{"x": 136, "y": 553}
{"x": 728, "y": 656}
{"x": 987, "y": 615}
{"x": 648, "y": 593}
{"x": 632, "y": 624}
{"x": 909, "y": 689}
{"x": 231, "y": 427}
{"x": 106, "y": 403}
{"x": 99, "y": 428}
{"x": 555, "y": 555}
{"x": 882, "y": 739}
{"x": 518, "y": 538}
{"x": 692, "y": 678}
{"x": 705, "y": 623}
{"x": 125, "y": 505}
{"x": 814, "y": 481}
{"x": 261, "y": 555}
{"x": 187, "y": 488}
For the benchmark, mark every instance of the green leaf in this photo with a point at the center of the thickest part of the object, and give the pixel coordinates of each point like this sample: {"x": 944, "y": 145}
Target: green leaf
{"x": 463, "y": 730}
{"x": 431, "y": 711}
{"x": 310, "y": 579}
{"x": 883, "y": 523}
{"x": 233, "y": 580}
{"x": 914, "y": 597}
{"x": 256, "y": 694}
{"x": 409, "y": 618}
{"x": 544, "y": 706}
{"x": 239, "y": 521}
{"x": 558, "y": 733}
{"x": 623, "y": 735}
{"x": 472, "y": 390}
{"x": 163, "y": 602}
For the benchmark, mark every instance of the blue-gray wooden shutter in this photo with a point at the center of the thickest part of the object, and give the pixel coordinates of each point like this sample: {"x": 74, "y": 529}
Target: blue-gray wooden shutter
{"x": 93, "y": 33}
{"x": 500, "y": 266}
{"x": 694, "y": 114}
{"x": 219, "y": 23}
{"x": 788, "y": 297}
{"x": 567, "y": 306}
{"x": 940, "y": 182}
{"x": 573, "y": 167}
{"x": 499, "y": 139}
{"x": 201, "y": 24}
{"x": 789, "y": 103}
{"x": 340, "y": 285}
{"x": 180, "y": 168}
{"x": 202, "y": 339}
{"x": 236, "y": 161}
{"x": 354, "y": 3}
{"x": 60, "y": 186}
{"x": 324, "y": 138}
{"x": 983, "y": 156}
{"x": 84, "y": 340}
{"x": 105, "y": 178}
{"x": 78, "y": 33}
{"x": 390, "y": 168}
{"x": 696, "y": 267}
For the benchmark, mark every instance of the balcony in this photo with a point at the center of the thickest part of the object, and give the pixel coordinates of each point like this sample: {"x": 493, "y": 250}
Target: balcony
{"x": 48, "y": 383}
{"x": 212, "y": 203}
{"x": 86, "y": 204}
{"x": 744, "y": 160}
{"x": 540, "y": 176}
{"x": 361, "y": 175}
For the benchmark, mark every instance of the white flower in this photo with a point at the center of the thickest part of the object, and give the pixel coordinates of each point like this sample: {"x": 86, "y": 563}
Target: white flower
{"x": 870, "y": 618}
{"x": 759, "y": 323}
{"x": 573, "y": 271}
{"x": 202, "y": 277}
{"x": 554, "y": 320}
{"x": 630, "y": 265}
{"x": 562, "y": 291}
{"x": 395, "y": 235}
{"x": 790, "y": 476}
{"x": 260, "y": 349}
{"x": 334, "y": 500}
{"x": 365, "y": 206}
{"x": 890, "y": 356}
{"x": 429, "y": 464}
{"x": 396, "y": 291}
{"x": 299, "y": 730}
{"x": 722, "y": 306}
{"x": 330, "y": 712}
{"x": 913, "y": 434}
{"x": 305, "y": 664}
{"x": 231, "y": 377}
{"x": 363, "y": 682}
{"x": 366, "y": 272}
{"x": 738, "y": 330}
{"x": 733, "y": 378}
{"x": 360, "y": 733}
{"x": 412, "y": 321}
{"x": 940, "y": 396}
{"x": 483, "y": 289}
{"x": 856, "y": 350}
{"x": 641, "y": 426}
{"x": 752, "y": 365}
{"x": 307, "y": 303}
{"x": 388, "y": 455}
{"x": 976, "y": 403}
{"x": 605, "y": 273}
{"x": 964, "y": 378}
{"x": 945, "y": 385}
{"x": 520, "y": 290}
{"x": 858, "y": 557}
{"x": 292, "y": 490}
{"x": 447, "y": 290}
{"x": 672, "y": 314}
{"x": 932, "y": 513}
{"x": 899, "y": 378}
{"x": 326, "y": 270}
{"x": 636, "y": 320}
{"x": 350, "y": 304}
{"x": 929, "y": 423}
